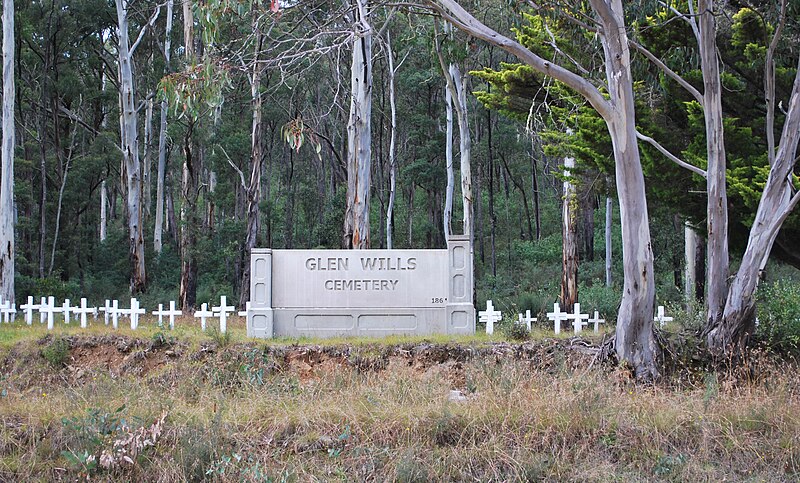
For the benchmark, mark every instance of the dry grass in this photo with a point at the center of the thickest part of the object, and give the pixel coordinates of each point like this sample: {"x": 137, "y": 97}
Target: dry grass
{"x": 380, "y": 412}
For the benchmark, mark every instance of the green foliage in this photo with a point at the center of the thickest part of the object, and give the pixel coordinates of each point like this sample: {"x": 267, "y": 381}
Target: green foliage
{"x": 601, "y": 298}
{"x": 56, "y": 352}
{"x": 222, "y": 339}
{"x": 513, "y": 330}
{"x": 779, "y": 315}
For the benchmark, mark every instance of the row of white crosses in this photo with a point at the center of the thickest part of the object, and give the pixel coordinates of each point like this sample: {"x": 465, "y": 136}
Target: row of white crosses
{"x": 490, "y": 316}
{"x": 48, "y": 309}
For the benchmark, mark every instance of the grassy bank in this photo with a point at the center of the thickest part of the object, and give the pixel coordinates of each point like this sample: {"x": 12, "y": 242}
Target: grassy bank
{"x": 115, "y": 407}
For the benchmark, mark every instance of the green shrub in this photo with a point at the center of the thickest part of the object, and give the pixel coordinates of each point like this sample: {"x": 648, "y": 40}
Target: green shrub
{"x": 598, "y": 297}
{"x": 513, "y": 330}
{"x": 779, "y": 315}
{"x": 56, "y": 352}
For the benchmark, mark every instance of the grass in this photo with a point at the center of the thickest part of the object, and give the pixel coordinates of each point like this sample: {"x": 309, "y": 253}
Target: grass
{"x": 358, "y": 410}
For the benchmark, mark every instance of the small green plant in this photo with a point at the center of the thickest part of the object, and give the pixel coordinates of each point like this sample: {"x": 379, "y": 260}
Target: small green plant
{"x": 513, "y": 330}
{"x": 56, "y": 352}
{"x": 222, "y": 339}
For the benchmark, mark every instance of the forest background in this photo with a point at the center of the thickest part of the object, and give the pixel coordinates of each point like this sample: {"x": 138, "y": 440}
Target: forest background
{"x": 198, "y": 88}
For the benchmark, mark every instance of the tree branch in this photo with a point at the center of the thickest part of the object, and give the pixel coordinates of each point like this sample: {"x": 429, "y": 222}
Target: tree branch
{"x": 149, "y": 24}
{"x": 233, "y": 165}
{"x": 670, "y": 156}
{"x": 463, "y": 20}
{"x": 669, "y": 72}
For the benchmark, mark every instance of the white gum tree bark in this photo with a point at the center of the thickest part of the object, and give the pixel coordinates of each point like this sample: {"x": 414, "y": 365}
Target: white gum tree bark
{"x": 162, "y": 140}
{"x": 7, "y": 158}
{"x": 359, "y": 150}
{"x": 635, "y": 341}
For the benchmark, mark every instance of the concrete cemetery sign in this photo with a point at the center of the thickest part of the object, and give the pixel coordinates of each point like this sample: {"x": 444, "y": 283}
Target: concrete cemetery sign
{"x": 328, "y": 293}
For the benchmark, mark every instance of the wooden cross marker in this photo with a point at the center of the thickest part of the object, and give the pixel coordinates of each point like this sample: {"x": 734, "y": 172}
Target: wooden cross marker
{"x": 661, "y": 318}
{"x": 106, "y": 310}
{"x": 42, "y": 315}
{"x": 82, "y": 312}
{"x": 222, "y": 312}
{"x": 135, "y": 312}
{"x": 557, "y": 316}
{"x": 50, "y": 309}
{"x": 578, "y": 318}
{"x": 7, "y": 309}
{"x": 171, "y": 313}
{"x": 596, "y": 320}
{"x": 115, "y": 313}
{"x": 490, "y": 316}
{"x": 527, "y": 319}
{"x": 66, "y": 309}
{"x": 203, "y": 314}
{"x": 28, "y": 309}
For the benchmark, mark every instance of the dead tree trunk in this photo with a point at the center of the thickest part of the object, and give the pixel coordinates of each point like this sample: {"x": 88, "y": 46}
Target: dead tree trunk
{"x": 356, "y": 218}
{"x": 103, "y": 211}
{"x": 130, "y": 150}
{"x": 162, "y": 139}
{"x": 392, "y": 146}
{"x": 7, "y": 158}
{"x": 253, "y": 189}
{"x": 569, "y": 237}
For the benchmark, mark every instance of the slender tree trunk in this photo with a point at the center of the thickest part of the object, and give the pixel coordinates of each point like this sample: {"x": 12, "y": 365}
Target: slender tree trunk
{"x": 465, "y": 146}
{"x": 43, "y": 164}
{"x": 64, "y": 173}
{"x": 690, "y": 264}
{"x": 162, "y": 139}
{"x": 253, "y": 189}
{"x": 717, "y": 211}
{"x": 609, "y": 220}
{"x": 189, "y": 223}
{"x": 492, "y": 214}
{"x": 356, "y": 219}
{"x": 731, "y": 334}
{"x": 103, "y": 211}
{"x": 7, "y": 157}
{"x": 130, "y": 153}
{"x": 569, "y": 236}
{"x": 392, "y": 146}
{"x": 451, "y": 180}
{"x": 535, "y": 189}
{"x": 148, "y": 149}
{"x": 586, "y": 233}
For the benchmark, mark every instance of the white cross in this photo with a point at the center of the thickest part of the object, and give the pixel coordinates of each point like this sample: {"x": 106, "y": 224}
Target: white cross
{"x": 203, "y": 314}
{"x": 171, "y": 313}
{"x": 661, "y": 318}
{"x": 115, "y": 312}
{"x": 489, "y": 316}
{"x": 557, "y": 316}
{"x": 65, "y": 308}
{"x": 222, "y": 312}
{"x": 596, "y": 320}
{"x": 42, "y": 315}
{"x": 82, "y": 311}
{"x": 527, "y": 319}
{"x": 50, "y": 309}
{"x": 135, "y": 312}
{"x": 28, "y": 309}
{"x": 7, "y": 309}
{"x": 578, "y": 318}
{"x": 106, "y": 310}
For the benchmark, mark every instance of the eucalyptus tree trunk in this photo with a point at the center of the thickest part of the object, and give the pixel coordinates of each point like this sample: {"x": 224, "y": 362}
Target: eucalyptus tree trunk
{"x": 609, "y": 220}
{"x": 148, "y": 142}
{"x": 569, "y": 237}
{"x": 717, "y": 208}
{"x": 690, "y": 240}
{"x": 738, "y": 321}
{"x": 7, "y": 159}
{"x": 162, "y": 139}
{"x": 103, "y": 211}
{"x": 130, "y": 152}
{"x": 356, "y": 218}
{"x": 189, "y": 186}
{"x": 451, "y": 180}
{"x": 392, "y": 146}
{"x": 465, "y": 147}
{"x": 253, "y": 189}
